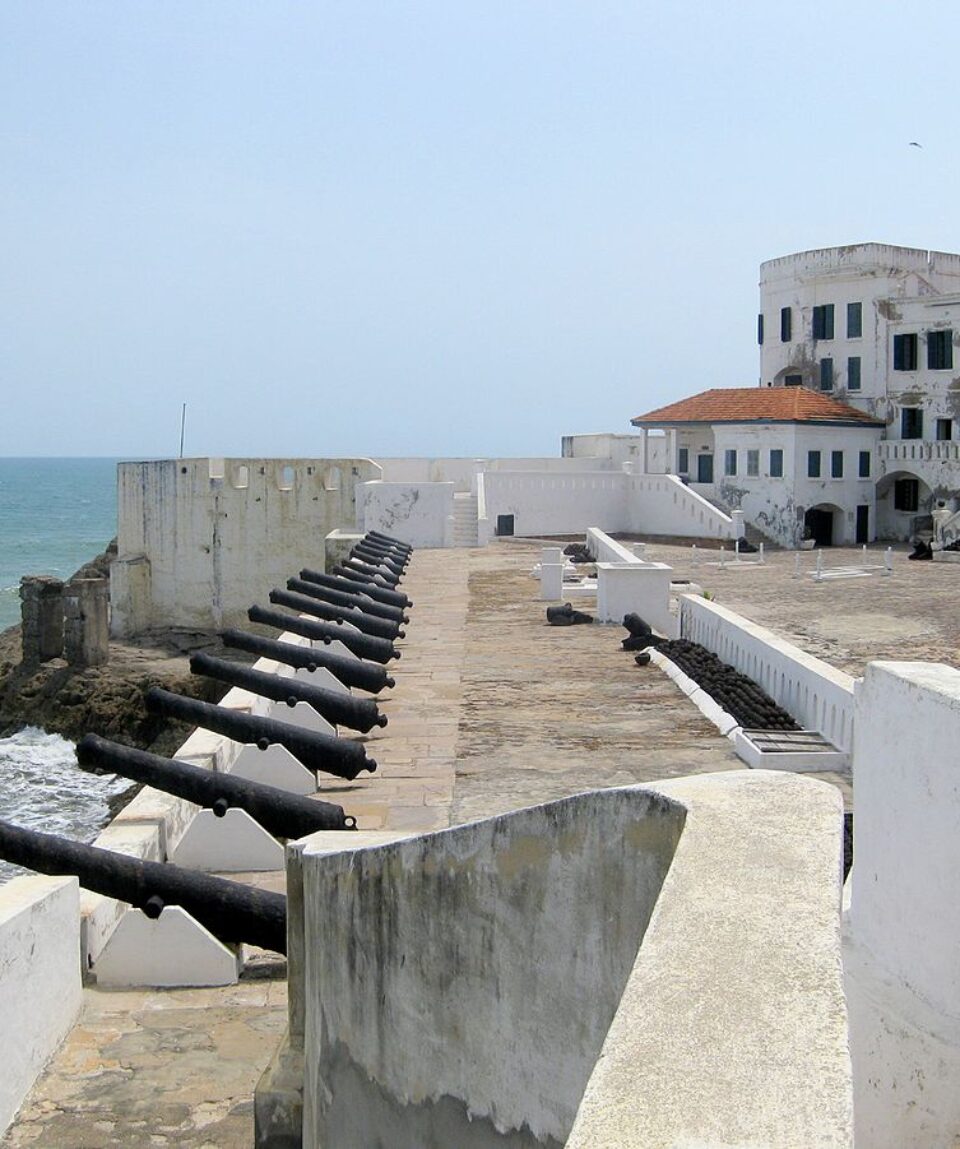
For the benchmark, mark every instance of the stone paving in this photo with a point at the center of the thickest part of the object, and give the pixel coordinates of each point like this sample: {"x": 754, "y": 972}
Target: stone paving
{"x": 493, "y": 709}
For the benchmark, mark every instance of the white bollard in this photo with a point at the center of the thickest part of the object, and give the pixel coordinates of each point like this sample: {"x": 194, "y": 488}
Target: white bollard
{"x": 761, "y": 554}
{"x": 818, "y": 577}
{"x": 864, "y": 554}
{"x": 796, "y": 565}
{"x": 694, "y": 560}
{"x": 888, "y": 561}
{"x": 723, "y": 558}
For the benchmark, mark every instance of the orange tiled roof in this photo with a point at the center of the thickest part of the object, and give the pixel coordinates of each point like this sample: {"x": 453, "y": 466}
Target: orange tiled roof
{"x": 756, "y": 405}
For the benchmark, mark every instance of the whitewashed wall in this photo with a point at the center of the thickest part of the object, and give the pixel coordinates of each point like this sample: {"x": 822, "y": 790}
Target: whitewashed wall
{"x": 218, "y": 534}
{"x": 817, "y": 695}
{"x": 40, "y": 991}
{"x": 420, "y": 514}
{"x": 549, "y": 504}
{"x": 903, "y": 928}
{"x": 663, "y": 505}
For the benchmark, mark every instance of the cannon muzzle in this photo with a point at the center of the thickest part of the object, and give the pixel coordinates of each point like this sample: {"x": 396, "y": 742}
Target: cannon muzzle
{"x": 391, "y": 541}
{"x": 230, "y": 911}
{"x": 348, "y": 599}
{"x": 318, "y": 752}
{"x": 340, "y": 709}
{"x": 341, "y": 580}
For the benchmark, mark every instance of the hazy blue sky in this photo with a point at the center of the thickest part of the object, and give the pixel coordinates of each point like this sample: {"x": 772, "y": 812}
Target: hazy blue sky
{"x": 432, "y": 228}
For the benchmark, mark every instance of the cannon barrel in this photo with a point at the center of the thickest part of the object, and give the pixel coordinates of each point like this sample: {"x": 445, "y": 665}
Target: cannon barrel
{"x": 390, "y": 539}
{"x": 362, "y": 645}
{"x": 347, "y": 598}
{"x": 340, "y": 709}
{"x": 279, "y": 813}
{"x": 342, "y": 579}
{"x": 381, "y": 562}
{"x": 382, "y": 554}
{"x": 378, "y": 627}
{"x": 230, "y": 911}
{"x": 373, "y": 571}
{"x": 321, "y": 752}
{"x": 350, "y": 671}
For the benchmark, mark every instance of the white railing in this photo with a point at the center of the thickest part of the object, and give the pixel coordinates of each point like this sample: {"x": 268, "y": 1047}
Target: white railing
{"x": 664, "y": 505}
{"x": 918, "y": 451}
{"x": 817, "y": 695}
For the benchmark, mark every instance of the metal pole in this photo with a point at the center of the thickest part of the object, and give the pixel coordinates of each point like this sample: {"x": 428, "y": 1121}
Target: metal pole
{"x": 183, "y": 421}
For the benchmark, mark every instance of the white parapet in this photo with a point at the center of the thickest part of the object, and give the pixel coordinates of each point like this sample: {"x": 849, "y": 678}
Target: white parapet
{"x": 40, "y": 991}
{"x": 636, "y": 588}
{"x": 903, "y": 926}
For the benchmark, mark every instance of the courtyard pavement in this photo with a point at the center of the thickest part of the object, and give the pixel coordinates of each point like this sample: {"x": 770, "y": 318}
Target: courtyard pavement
{"x": 493, "y": 710}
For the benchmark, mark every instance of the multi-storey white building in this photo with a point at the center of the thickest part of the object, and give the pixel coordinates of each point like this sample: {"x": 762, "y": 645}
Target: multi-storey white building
{"x": 876, "y": 326}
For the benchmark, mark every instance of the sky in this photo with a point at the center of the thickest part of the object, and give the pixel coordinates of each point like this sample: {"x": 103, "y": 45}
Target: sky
{"x": 432, "y": 228}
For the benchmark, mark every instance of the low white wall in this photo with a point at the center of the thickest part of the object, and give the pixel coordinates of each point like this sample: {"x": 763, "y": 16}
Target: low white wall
{"x": 663, "y": 505}
{"x": 483, "y": 986}
{"x": 419, "y": 514}
{"x": 636, "y": 588}
{"x": 545, "y": 503}
{"x": 40, "y": 991}
{"x": 818, "y": 696}
{"x": 607, "y": 550}
{"x": 903, "y": 926}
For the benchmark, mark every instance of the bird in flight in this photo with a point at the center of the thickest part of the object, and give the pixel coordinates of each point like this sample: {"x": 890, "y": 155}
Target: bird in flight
{"x": 914, "y": 144}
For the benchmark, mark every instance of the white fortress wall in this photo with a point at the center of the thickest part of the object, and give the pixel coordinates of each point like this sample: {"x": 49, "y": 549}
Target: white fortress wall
{"x": 903, "y": 925}
{"x": 40, "y": 991}
{"x": 546, "y": 503}
{"x": 663, "y": 505}
{"x": 420, "y": 514}
{"x": 199, "y": 540}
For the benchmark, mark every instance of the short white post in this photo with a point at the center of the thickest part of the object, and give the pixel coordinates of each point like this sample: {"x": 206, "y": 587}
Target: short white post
{"x": 864, "y": 554}
{"x": 723, "y": 558}
{"x": 761, "y": 554}
{"x": 796, "y": 565}
{"x": 888, "y": 561}
{"x": 818, "y": 577}
{"x": 694, "y": 560}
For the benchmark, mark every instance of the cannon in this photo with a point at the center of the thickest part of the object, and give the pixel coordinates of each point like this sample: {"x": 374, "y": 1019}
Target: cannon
{"x": 376, "y": 547}
{"x": 372, "y": 571}
{"x": 362, "y": 645}
{"x": 391, "y": 540}
{"x": 279, "y": 813}
{"x": 340, "y": 709}
{"x": 318, "y": 752}
{"x": 347, "y": 598}
{"x": 306, "y": 604}
{"x": 377, "y": 557}
{"x": 387, "y": 567}
{"x": 341, "y": 578}
{"x": 350, "y": 671}
{"x": 230, "y": 911}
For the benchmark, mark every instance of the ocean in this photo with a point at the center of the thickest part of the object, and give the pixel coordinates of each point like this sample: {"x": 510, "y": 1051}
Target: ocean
{"x": 55, "y": 515}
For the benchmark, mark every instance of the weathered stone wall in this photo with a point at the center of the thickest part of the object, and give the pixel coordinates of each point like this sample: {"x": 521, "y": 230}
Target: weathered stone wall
{"x": 41, "y": 613}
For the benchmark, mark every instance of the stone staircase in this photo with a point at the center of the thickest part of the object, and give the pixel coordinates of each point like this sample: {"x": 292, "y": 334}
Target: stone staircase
{"x": 464, "y": 520}
{"x": 752, "y": 533}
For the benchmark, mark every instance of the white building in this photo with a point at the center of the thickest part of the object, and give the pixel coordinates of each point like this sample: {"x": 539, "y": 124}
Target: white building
{"x": 798, "y": 463}
{"x": 876, "y": 326}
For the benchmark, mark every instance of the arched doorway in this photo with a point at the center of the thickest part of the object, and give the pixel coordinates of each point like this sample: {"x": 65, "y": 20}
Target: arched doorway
{"x": 824, "y": 524}
{"x": 904, "y": 503}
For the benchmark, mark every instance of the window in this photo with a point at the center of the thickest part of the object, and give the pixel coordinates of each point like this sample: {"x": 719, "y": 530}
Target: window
{"x": 813, "y": 464}
{"x": 939, "y": 350}
{"x": 786, "y": 324}
{"x": 826, "y": 374}
{"x": 944, "y": 429}
{"x": 776, "y": 463}
{"x": 911, "y": 423}
{"x": 864, "y": 464}
{"x": 760, "y": 329}
{"x": 823, "y": 321}
{"x": 683, "y": 460}
{"x": 793, "y": 380}
{"x": 836, "y": 464}
{"x": 730, "y": 462}
{"x": 905, "y": 352}
{"x": 854, "y": 320}
{"x": 906, "y": 494}
{"x": 853, "y": 373}
{"x": 753, "y": 463}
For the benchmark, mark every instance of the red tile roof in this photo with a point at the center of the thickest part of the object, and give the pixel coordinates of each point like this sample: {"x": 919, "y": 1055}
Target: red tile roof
{"x": 757, "y": 405}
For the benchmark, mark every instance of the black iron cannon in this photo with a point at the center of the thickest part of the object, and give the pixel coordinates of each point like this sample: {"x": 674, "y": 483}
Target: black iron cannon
{"x": 362, "y": 645}
{"x": 373, "y": 571}
{"x": 366, "y": 624}
{"x": 230, "y": 911}
{"x": 318, "y": 752}
{"x": 359, "y": 584}
{"x": 340, "y": 709}
{"x": 347, "y": 598}
{"x": 279, "y": 813}
{"x": 351, "y": 672}
{"x": 377, "y": 557}
{"x": 391, "y": 540}
{"x": 378, "y": 547}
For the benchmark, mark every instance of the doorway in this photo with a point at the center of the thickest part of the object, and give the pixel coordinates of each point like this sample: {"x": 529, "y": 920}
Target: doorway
{"x": 704, "y": 468}
{"x": 863, "y": 524}
{"x": 819, "y": 526}
{"x": 504, "y": 524}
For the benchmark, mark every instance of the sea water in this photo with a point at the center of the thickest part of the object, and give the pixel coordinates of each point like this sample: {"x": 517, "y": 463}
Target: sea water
{"x": 55, "y": 515}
